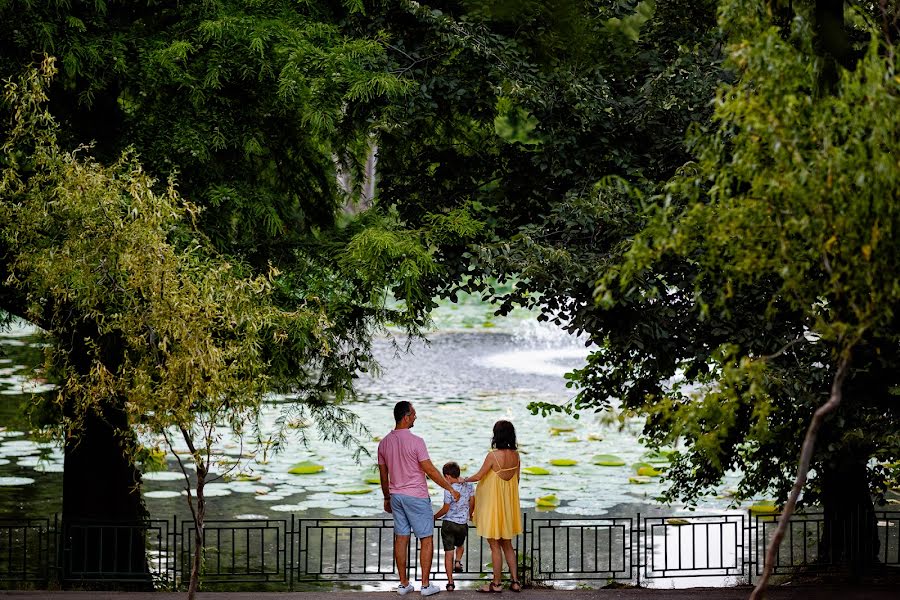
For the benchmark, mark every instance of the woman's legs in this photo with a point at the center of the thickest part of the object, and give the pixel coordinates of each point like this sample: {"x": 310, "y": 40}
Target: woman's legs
{"x": 510, "y": 553}
{"x": 496, "y": 560}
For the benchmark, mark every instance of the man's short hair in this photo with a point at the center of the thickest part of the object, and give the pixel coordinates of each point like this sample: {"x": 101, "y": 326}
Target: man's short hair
{"x": 401, "y": 409}
{"x": 451, "y": 469}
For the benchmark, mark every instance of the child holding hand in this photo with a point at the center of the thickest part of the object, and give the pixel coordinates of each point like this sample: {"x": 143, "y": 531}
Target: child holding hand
{"x": 456, "y": 516}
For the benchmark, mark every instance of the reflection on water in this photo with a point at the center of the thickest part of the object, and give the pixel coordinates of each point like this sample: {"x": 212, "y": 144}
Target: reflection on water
{"x": 477, "y": 368}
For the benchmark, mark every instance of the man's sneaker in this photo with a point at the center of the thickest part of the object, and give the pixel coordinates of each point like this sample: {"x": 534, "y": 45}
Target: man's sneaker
{"x": 430, "y": 590}
{"x": 405, "y": 589}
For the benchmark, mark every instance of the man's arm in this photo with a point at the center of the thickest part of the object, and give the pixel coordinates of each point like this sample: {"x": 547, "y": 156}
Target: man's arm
{"x": 385, "y": 488}
{"x": 436, "y": 477}
{"x": 471, "y": 506}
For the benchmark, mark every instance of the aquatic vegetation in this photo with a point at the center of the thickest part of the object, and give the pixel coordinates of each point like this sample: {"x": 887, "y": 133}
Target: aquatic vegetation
{"x": 306, "y": 468}
{"x": 607, "y": 460}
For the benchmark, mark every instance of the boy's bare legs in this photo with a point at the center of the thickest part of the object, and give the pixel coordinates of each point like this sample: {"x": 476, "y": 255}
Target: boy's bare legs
{"x": 401, "y": 548}
{"x": 448, "y": 565}
{"x": 427, "y": 554}
{"x": 459, "y": 553}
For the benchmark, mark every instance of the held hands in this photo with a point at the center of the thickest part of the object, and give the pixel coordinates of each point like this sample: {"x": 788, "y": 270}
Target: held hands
{"x": 455, "y": 494}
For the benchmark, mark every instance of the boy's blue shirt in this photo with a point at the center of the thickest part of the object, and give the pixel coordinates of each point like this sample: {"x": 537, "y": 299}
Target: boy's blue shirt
{"x": 459, "y": 510}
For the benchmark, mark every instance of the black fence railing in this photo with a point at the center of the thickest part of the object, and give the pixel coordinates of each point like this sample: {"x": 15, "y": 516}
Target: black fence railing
{"x": 282, "y": 553}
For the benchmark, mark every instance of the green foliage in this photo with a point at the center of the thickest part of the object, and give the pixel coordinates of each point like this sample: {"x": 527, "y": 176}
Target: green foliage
{"x": 782, "y": 223}
{"x": 193, "y": 332}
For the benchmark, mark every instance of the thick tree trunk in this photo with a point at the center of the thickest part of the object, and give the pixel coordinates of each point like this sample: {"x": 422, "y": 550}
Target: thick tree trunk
{"x": 103, "y": 512}
{"x": 850, "y": 537}
{"x": 102, "y": 507}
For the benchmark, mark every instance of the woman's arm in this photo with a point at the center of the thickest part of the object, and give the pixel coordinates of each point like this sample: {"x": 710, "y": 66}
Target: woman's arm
{"x": 485, "y": 467}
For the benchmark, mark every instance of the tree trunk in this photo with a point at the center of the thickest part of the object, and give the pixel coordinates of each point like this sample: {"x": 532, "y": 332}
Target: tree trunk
{"x": 103, "y": 516}
{"x": 101, "y": 485}
{"x": 199, "y": 537}
{"x": 850, "y": 536}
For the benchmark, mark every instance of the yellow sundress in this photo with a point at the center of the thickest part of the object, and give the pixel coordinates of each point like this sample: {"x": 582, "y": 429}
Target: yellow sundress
{"x": 497, "y": 512}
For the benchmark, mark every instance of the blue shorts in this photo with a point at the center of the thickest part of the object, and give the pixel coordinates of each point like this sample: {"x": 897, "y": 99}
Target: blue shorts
{"x": 411, "y": 513}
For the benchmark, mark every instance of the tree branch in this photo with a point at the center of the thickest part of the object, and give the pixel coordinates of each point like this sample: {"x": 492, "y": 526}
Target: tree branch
{"x": 802, "y": 470}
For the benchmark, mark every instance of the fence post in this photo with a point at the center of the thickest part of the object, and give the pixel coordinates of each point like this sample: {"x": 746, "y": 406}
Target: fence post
{"x": 525, "y": 576}
{"x": 290, "y": 566}
{"x": 639, "y": 549}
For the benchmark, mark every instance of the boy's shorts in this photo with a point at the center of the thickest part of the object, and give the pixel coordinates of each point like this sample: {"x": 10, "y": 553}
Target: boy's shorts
{"x": 453, "y": 535}
{"x": 411, "y": 513}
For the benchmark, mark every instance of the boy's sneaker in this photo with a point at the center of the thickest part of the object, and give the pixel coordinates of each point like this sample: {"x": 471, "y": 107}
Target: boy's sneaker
{"x": 405, "y": 589}
{"x": 430, "y": 590}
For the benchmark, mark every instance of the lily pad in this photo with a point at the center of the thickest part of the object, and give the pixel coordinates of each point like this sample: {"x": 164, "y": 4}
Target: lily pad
{"x": 561, "y": 429}
{"x": 563, "y": 462}
{"x": 306, "y": 468}
{"x": 639, "y": 480}
{"x": 535, "y": 471}
{"x": 764, "y": 507}
{"x": 608, "y": 460}
{"x": 162, "y": 494}
{"x": 660, "y": 457}
{"x": 676, "y": 521}
{"x": 353, "y": 491}
{"x": 163, "y": 476}
{"x": 547, "y": 501}
{"x": 593, "y": 437}
{"x": 572, "y": 440}
{"x": 640, "y": 465}
{"x": 648, "y": 471}
{"x": 372, "y": 480}
{"x": 15, "y": 481}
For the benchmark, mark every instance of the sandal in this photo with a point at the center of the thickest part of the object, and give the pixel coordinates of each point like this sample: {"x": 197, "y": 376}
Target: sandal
{"x": 491, "y": 588}
{"x": 458, "y": 567}
{"x": 451, "y": 586}
{"x": 515, "y": 586}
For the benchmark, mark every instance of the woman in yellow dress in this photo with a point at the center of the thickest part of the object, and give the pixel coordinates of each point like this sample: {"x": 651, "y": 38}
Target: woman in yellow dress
{"x": 497, "y": 514}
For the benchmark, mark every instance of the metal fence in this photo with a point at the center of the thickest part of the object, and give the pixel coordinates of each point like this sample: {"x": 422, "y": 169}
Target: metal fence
{"x": 284, "y": 553}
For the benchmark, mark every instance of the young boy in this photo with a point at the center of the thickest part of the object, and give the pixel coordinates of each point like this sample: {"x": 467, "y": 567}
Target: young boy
{"x": 455, "y": 526}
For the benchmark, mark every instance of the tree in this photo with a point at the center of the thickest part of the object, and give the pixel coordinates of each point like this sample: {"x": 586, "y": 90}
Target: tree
{"x": 252, "y": 105}
{"x": 806, "y": 174}
{"x": 606, "y": 117}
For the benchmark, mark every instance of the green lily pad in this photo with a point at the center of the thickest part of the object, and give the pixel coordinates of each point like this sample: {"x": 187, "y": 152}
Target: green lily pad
{"x": 572, "y": 440}
{"x": 373, "y": 480}
{"x": 661, "y": 457}
{"x": 639, "y": 479}
{"x": 535, "y": 471}
{"x": 764, "y": 507}
{"x": 648, "y": 471}
{"x": 608, "y": 460}
{"x": 678, "y": 522}
{"x": 353, "y": 491}
{"x": 547, "y": 501}
{"x": 593, "y": 437}
{"x": 306, "y": 468}
{"x": 561, "y": 429}
{"x": 640, "y": 465}
{"x": 563, "y": 462}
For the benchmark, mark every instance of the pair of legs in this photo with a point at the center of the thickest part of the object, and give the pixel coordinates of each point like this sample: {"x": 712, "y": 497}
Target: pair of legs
{"x": 401, "y": 549}
{"x": 412, "y": 515}
{"x": 500, "y": 549}
{"x": 450, "y": 558}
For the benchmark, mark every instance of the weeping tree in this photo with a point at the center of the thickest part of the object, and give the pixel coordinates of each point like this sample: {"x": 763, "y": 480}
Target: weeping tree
{"x": 254, "y": 106}
{"x": 176, "y": 339}
{"x": 786, "y": 218}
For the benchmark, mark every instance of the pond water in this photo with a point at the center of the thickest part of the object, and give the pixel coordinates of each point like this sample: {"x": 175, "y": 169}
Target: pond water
{"x": 476, "y": 369}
